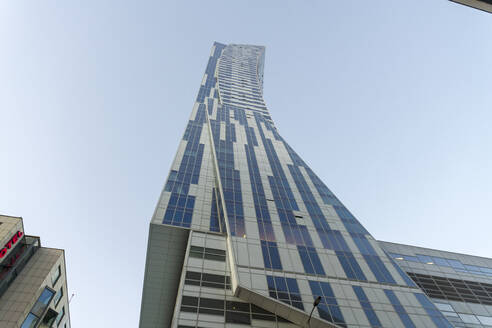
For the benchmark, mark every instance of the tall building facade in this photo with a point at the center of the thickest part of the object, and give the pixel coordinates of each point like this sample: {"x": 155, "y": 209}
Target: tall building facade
{"x": 246, "y": 234}
{"x": 33, "y": 281}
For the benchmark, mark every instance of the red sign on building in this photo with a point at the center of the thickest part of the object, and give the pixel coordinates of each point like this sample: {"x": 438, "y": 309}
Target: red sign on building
{"x": 11, "y": 243}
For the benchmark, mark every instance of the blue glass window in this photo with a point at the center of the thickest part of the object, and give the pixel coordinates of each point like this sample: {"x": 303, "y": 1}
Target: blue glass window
{"x": 285, "y": 290}
{"x": 436, "y": 315}
{"x": 440, "y": 261}
{"x": 310, "y": 260}
{"x": 42, "y": 302}
{"x": 328, "y": 308}
{"x": 30, "y": 321}
{"x": 350, "y": 265}
{"x": 425, "y": 259}
{"x": 456, "y": 264}
{"x": 178, "y": 182}
{"x": 473, "y": 268}
{"x": 271, "y": 257}
{"x": 38, "y": 308}
{"x": 375, "y": 263}
{"x": 214, "y": 214}
{"x": 60, "y": 316}
{"x": 405, "y": 318}
{"x": 367, "y": 307}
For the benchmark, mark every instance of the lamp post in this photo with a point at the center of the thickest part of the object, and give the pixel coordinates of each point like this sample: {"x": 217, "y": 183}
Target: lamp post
{"x": 315, "y": 304}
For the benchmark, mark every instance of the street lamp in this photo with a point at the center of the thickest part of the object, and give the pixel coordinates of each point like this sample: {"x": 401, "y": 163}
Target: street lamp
{"x": 315, "y": 304}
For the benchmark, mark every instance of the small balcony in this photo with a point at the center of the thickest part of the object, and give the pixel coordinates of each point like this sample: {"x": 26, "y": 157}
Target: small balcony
{"x": 16, "y": 261}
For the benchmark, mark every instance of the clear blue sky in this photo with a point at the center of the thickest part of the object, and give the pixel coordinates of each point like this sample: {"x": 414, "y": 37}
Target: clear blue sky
{"x": 390, "y": 103}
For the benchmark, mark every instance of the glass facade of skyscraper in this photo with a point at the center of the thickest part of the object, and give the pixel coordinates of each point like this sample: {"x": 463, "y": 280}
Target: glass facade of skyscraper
{"x": 246, "y": 234}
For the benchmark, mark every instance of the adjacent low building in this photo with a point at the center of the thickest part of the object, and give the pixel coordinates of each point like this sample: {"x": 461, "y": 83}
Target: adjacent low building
{"x": 33, "y": 281}
{"x": 485, "y": 5}
{"x": 459, "y": 285}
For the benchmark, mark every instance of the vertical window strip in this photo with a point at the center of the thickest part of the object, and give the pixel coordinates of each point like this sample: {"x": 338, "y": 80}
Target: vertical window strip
{"x": 285, "y": 204}
{"x": 347, "y": 260}
{"x": 326, "y": 195}
{"x": 214, "y": 215}
{"x": 404, "y": 317}
{"x": 348, "y": 220}
{"x": 328, "y": 308}
{"x": 269, "y": 249}
{"x": 350, "y": 266}
{"x": 375, "y": 263}
{"x": 278, "y": 182}
{"x": 331, "y": 239}
{"x": 229, "y": 177}
{"x": 328, "y": 238}
{"x": 367, "y": 307}
{"x": 378, "y": 269}
{"x": 210, "y": 81}
{"x": 310, "y": 260}
{"x": 179, "y": 210}
{"x": 271, "y": 257}
{"x": 210, "y": 106}
{"x": 306, "y": 262}
{"x": 436, "y": 315}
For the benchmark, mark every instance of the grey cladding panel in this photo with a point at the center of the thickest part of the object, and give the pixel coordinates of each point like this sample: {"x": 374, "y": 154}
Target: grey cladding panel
{"x": 165, "y": 255}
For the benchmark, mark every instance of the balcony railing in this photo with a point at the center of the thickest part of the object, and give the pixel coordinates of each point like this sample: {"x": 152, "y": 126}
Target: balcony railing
{"x": 10, "y": 270}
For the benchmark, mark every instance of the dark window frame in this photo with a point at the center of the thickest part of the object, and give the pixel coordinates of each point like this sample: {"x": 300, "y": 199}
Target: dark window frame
{"x": 59, "y": 274}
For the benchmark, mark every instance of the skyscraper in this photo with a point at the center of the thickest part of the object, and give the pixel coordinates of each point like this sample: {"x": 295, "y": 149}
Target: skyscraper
{"x": 246, "y": 234}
